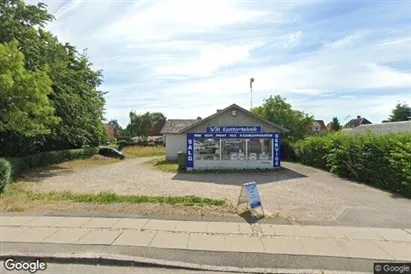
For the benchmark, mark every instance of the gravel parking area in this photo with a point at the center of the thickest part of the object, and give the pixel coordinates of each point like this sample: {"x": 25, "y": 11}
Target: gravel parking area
{"x": 297, "y": 192}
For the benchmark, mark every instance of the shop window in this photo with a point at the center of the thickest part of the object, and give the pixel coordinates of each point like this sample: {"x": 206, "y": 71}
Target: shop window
{"x": 207, "y": 149}
{"x": 233, "y": 149}
{"x": 260, "y": 149}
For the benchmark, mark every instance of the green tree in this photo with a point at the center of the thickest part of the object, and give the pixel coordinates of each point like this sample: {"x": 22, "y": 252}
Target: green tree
{"x": 401, "y": 112}
{"x": 140, "y": 125}
{"x": 277, "y": 110}
{"x": 24, "y": 105}
{"x": 75, "y": 95}
{"x": 335, "y": 124}
{"x": 158, "y": 117}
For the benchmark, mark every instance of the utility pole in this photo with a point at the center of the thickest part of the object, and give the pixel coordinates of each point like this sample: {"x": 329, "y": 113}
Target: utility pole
{"x": 251, "y": 93}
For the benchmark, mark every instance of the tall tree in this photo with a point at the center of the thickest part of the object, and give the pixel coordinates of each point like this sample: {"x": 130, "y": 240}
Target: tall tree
{"x": 277, "y": 110}
{"x": 116, "y": 128}
{"x": 24, "y": 105}
{"x": 335, "y": 124}
{"x": 401, "y": 112}
{"x": 75, "y": 96}
{"x": 158, "y": 117}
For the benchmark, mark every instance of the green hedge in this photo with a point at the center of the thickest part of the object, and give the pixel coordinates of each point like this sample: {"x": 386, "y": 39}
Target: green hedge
{"x": 380, "y": 160}
{"x": 143, "y": 143}
{"x": 21, "y": 164}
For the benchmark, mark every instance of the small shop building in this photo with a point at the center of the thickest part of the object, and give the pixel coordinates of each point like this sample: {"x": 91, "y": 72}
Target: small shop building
{"x": 231, "y": 138}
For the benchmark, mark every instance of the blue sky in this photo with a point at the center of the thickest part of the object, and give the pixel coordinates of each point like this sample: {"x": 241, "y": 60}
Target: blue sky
{"x": 189, "y": 58}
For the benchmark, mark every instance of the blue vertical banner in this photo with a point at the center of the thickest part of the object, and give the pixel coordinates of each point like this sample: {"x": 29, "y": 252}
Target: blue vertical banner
{"x": 277, "y": 152}
{"x": 190, "y": 150}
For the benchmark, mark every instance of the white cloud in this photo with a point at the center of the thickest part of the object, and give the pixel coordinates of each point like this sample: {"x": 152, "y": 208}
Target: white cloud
{"x": 165, "y": 19}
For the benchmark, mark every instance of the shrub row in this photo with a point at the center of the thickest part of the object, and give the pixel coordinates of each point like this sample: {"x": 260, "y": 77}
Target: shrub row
{"x": 12, "y": 167}
{"x": 143, "y": 143}
{"x": 383, "y": 161}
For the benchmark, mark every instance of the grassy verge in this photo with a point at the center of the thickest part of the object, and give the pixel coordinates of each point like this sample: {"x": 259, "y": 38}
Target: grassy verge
{"x": 136, "y": 151}
{"x": 111, "y": 198}
{"x": 162, "y": 165}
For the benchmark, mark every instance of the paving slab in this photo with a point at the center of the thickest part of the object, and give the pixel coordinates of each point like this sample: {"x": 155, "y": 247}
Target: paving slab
{"x": 3, "y": 219}
{"x": 324, "y": 231}
{"x": 361, "y": 233}
{"x": 100, "y": 237}
{"x": 44, "y": 221}
{"x": 8, "y": 233}
{"x": 162, "y": 225}
{"x": 170, "y": 240}
{"x": 188, "y": 226}
{"x": 243, "y": 244}
{"x": 245, "y": 228}
{"x": 66, "y": 236}
{"x": 34, "y": 234}
{"x": 408, "y": 230}
{"x": 100, "y": 223}
{"x": 283, "y": 246}
{"x": 130, "y": 223}
{"x": 135, "y": 238}
{"x": 290, "y": 230}
{"x": 322, "y": 247}
{"x": 17, "y": 221}
{"x": 223, "y": 228}
{"x": 363, "y": 249}
{"x": 393, "y": 234}
{"x": 206, "y": 242}
{"x": 267, "y": 229}
{"x": 398, "y": 250}
{"x": 72, "y": 222}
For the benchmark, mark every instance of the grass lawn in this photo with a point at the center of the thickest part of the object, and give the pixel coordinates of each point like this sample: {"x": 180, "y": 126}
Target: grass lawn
{"x": 137, "y": 151}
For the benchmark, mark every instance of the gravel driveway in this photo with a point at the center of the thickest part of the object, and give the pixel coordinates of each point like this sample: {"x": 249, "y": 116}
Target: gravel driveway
{"x": 297, "y": 192}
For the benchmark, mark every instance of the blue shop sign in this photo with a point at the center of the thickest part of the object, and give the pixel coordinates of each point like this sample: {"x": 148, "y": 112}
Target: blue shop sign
{"x": 244, "y": 129}
{"x": 233, "y": 135}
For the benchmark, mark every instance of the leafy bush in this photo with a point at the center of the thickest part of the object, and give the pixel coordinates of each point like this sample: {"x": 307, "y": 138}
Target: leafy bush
{"x": 21, "y": 164}
{"x": 5, "y": 173}
{"x": 380, "y": 160}
{"x": 287, "y": 151}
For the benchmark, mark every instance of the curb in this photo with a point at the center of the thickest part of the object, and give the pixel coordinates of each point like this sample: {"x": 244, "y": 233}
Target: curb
{"x": 124, "y": 260}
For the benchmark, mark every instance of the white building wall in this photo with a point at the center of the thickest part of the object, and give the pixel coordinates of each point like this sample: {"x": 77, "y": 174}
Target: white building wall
{"x": 174, "y": 144}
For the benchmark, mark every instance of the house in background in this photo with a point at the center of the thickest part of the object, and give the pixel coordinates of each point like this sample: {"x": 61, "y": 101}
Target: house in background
{"x": 384, "y": 128}
{"x": 357, "y": 122}
{"x": 154, "y": 133}
{"x": 318, "y": 126}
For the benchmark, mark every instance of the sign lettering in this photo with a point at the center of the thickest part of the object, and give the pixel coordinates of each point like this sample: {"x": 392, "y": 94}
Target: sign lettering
{"x": 245, "y": 129}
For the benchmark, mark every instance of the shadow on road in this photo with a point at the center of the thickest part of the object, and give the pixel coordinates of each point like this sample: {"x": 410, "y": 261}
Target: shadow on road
{"x": 239, "y": 178}
{"x": 40, "y": 174}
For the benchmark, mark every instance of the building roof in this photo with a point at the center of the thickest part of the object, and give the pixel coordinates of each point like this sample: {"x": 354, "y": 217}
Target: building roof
{"x": 156, "y": 129}
{"x": 392, "y": 127}
{"x": 320, "y": 123}
{"x": 219, "y": 112}
{"x": 357, "y": 122}
{"x": 177, "y": 125}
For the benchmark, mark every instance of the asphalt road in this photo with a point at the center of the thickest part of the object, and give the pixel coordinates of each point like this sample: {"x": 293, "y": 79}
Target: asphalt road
{"x": 218, "y": 259}
{"x": 103, "y": 269}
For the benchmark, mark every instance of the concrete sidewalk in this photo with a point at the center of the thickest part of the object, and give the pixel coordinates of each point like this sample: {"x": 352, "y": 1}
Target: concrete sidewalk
{"x": 343, "y": 242}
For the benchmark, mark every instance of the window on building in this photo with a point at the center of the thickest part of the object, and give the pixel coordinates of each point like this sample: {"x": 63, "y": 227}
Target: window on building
{"x": 260, "y": 149}
{"x": 233, "y": 149}
{"x": 207, "y": 149}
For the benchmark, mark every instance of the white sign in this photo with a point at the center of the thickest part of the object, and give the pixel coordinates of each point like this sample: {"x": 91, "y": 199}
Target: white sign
{"x": 252, "y": 195}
